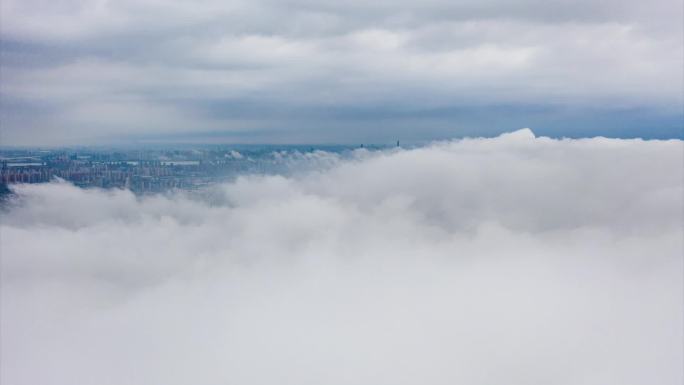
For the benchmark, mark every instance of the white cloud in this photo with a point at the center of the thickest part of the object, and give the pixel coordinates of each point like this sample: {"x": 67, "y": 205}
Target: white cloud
{"x": 516, "y": 260}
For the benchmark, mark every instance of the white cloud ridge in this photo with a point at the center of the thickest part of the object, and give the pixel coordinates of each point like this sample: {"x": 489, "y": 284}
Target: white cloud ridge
{"x": 510, "y": 260}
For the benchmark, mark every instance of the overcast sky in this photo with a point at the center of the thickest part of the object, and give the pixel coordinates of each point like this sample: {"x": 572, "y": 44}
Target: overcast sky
{"x": 98, "y": 71}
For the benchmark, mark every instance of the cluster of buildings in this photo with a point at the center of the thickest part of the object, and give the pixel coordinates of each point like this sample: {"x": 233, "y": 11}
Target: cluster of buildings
{"x": 152, "y": 170}
{"x": 139, "y": 171}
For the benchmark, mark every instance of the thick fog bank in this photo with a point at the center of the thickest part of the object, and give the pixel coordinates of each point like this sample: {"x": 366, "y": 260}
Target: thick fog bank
{"x": 512, "y": 260}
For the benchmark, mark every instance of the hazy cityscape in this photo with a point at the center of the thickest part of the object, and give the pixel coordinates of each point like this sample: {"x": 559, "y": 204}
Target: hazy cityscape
{"x": 153, "y": 170}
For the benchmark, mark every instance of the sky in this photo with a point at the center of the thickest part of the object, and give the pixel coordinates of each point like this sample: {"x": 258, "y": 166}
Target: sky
{"x": 304, "y": 71}
{"x": 515, "y": 260}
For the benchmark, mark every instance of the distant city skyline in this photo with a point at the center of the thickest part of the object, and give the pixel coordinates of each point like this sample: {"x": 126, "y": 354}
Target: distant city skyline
{"x": 162, "y": 169}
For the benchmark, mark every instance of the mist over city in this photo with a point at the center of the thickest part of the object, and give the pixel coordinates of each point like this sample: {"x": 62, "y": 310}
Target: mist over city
{"x": 310, "y": 192}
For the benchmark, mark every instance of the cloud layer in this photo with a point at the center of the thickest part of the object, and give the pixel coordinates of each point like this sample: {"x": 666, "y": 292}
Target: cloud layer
{"x": 516, "y": 260}
{"x": 82, "y": 71}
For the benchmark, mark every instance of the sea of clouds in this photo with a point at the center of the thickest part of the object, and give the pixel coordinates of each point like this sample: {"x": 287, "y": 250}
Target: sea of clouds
{"x": 512, "y": 260}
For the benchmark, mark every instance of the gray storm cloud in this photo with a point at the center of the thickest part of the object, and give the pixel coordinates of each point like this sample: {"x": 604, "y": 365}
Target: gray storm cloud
{"x": 512, "y": 260}
{"x": 84, "y": 71}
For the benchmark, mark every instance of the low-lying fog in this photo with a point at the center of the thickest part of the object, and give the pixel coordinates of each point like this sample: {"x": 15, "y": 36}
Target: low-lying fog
{"x": 513, "y": 260}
